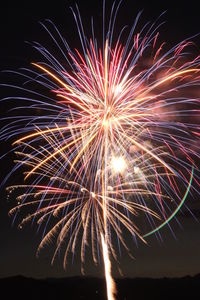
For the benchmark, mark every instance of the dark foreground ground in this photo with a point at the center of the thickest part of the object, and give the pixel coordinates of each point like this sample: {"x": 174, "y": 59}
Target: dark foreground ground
{"x": 91, "y": 288}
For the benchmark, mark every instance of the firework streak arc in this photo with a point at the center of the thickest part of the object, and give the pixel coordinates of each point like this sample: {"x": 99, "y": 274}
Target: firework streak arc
{"x": 110, "y": 149}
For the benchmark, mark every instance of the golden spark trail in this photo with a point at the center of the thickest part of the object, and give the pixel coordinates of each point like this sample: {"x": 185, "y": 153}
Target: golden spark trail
{"x": 111, "y": 288}
{"x": 110, "y": 285}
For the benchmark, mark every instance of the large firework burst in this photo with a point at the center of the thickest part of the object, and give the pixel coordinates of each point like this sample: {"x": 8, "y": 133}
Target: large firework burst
{"x": 110, "y": 149}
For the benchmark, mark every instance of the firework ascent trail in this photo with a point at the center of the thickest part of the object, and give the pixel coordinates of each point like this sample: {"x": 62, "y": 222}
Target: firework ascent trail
{"x": 110, "y": 147}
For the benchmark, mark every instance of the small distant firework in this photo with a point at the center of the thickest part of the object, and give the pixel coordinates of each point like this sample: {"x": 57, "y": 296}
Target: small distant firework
{"x": 112, "y": 145}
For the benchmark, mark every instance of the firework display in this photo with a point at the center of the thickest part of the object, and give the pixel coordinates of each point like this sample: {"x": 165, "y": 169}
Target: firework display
{"x": 108, "y": 149}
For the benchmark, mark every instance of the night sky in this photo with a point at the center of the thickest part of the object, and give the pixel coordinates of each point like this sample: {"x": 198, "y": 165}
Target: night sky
{"x": 19, "y": 22}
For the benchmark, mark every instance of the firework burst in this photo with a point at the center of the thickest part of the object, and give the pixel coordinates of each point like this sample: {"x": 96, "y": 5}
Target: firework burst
{"x": 112, "y": 145}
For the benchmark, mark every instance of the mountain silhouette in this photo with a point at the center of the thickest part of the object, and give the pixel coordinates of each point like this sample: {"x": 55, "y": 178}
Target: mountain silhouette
{"x": 83, "y": 288}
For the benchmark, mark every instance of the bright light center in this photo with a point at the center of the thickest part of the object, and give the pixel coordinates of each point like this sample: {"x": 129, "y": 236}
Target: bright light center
{"x": 118, "y": 164}
{"x": 106, "y": 122}
{"x": 118, "y": 89}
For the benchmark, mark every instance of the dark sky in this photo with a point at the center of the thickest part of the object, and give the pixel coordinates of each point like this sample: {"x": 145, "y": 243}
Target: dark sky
{"x": 19, "y": 23}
